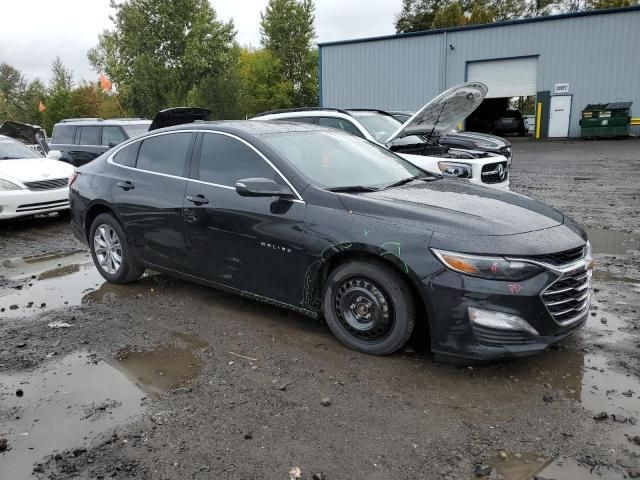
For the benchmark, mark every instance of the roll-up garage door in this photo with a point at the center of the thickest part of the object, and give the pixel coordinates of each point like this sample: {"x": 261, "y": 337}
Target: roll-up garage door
{"x": 511, "y": 77}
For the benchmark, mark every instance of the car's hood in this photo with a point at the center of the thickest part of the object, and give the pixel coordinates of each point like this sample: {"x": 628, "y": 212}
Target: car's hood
{"x": 25, "y": 133}
{"x": 444, "y": 112}
{"x": 33, "y": 169}
{"x": 456, "y": 207}
{"x": 482, "y": 140}
{"x": 178, "y": 116}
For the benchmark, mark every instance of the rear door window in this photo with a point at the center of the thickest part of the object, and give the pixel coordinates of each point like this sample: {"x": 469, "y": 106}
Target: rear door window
{"x": 89, "y": 136}
{"x": 165, "y": 153}
{"x": 225, "y": 160}
{"x": 112, "y": 136}
{"x": 63, "y": 134}
{"x": 340, "y": 124}
{"x": 127, "y": 155}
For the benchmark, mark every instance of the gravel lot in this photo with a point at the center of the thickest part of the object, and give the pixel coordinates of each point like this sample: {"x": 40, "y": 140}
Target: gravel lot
{"x": 169, "y": 380}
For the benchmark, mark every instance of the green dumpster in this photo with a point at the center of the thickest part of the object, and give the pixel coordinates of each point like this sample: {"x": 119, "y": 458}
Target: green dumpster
{"x": 606, "y": 119}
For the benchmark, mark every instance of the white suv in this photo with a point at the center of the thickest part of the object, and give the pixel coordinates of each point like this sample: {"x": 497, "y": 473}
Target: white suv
{"x": 412, "y": 140}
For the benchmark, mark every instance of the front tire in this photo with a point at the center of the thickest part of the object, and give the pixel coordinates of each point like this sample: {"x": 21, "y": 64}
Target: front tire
{"x": 111, "y": 251}
{"x": 369, "y": 307}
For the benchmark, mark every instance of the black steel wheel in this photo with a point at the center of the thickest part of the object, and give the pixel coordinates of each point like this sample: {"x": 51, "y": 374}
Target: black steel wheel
{"x": 369, "y": 307}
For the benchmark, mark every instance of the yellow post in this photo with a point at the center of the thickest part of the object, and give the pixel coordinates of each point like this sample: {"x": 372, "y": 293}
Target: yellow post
{"x": 538, "y": 117}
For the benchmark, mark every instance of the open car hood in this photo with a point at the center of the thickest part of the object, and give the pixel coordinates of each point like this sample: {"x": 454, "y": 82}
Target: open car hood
{"x": 444, "y": 112}
{"x": 177, "y": 116}
{"x": 25, "y": 133}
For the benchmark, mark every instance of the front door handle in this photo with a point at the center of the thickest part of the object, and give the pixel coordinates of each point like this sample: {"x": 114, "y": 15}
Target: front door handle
{"x": 126, "y": 185}
{"x": 197, "y": 199}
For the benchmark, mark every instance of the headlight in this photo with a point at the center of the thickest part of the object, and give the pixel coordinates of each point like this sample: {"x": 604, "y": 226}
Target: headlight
{"x": 7, "y": 185}
{"x": 455, "y": 169}
{"x": 492, "y": 268}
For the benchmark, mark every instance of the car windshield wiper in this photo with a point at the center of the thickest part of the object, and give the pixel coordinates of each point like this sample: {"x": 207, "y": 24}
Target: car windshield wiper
{"x": 353, "y": 188}
{"x": 427, "y": 178}
{"x": 9, "y": 158}
{"x": 403, "y": 182}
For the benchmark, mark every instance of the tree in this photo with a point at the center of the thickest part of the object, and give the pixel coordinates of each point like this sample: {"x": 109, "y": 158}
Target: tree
{"x": 12, "y": 88}
{"x": 480, "y": 13}
{"x": 417, "y": 15}
{"x": 58, "y": 94}
{"x": 449, "y": 16}
{"x": 287, "y": 33}
{"x": 160, "y": 50}
{"x": 262, "y": 86}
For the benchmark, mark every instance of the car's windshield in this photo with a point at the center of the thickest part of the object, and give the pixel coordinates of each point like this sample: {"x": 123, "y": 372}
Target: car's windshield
{"x": 336, "y": 160}
{"x": 378, "y": 125}
{"x": 136, "y": 129}
{"x": 11, "y": 150}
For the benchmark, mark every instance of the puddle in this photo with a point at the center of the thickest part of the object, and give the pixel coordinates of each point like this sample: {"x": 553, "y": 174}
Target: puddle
{"x": 604, "y": 276}
{"x": 611, "y": 241}
{"x": 65, "y": 405}
{"x": 528, "y": 465}
{"x": 50, "y": 281}
{"x": 163, "y": 368}
{"x": 54, "y": 281}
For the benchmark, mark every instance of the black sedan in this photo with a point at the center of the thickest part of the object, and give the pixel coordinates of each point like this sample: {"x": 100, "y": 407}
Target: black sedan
{"x": 328, "y": 224}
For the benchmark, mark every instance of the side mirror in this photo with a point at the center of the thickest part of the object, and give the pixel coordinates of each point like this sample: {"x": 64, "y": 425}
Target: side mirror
{"x": 262, "y": 187}
{"x": 112, "y": 144}
{"x": 54, "y": 154}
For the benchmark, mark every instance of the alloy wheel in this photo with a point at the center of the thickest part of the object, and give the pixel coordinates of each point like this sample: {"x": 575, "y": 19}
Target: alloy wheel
{"x": 108, "y": 249}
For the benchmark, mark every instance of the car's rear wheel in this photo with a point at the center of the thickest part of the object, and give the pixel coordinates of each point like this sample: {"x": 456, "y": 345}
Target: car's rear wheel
{"x": 369, "y": 307}
{"x": 111, "y": 251}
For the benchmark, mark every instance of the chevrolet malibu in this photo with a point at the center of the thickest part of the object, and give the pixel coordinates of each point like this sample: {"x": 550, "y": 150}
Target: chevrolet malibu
{"x": 331, "y": 225}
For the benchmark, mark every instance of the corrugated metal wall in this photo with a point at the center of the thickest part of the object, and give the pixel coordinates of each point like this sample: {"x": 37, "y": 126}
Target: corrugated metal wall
{"x": 596, "y": 54}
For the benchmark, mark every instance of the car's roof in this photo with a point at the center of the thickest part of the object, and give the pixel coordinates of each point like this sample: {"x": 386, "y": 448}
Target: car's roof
{"x": 251, "y": 127}
{"x": 99, "y": 122}
{"x": 320, "y": 112}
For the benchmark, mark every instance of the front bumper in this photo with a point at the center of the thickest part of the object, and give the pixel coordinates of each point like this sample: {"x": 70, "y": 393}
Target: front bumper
{"x": 449, "y": 295}
{"x": 19, "y": 203}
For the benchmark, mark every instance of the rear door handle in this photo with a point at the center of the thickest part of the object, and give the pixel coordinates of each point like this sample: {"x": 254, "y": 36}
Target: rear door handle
{"x": 197, "y": 199}
{"x": 126, "y": 185}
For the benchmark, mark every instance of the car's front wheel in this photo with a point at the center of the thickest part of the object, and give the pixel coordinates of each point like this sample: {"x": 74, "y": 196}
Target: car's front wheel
{"x": 111, "y": 251}
{"x": 369, "y": 307}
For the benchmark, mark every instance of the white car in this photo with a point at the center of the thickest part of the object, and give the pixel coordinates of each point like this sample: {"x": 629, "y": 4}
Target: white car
{"x": 29, "y": 182}
{"x": 412, "y": 140}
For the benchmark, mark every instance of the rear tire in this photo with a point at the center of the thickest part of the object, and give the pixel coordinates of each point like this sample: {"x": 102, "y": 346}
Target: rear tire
{"x": 112, "y": 252}
{"x": 369, "y": 307}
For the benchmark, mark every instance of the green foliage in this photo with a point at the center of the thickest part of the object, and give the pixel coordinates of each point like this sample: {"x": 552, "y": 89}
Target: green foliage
{"x": 287, "y": 29}
{"x": 159, "y": 51}
{"x": 418, "y": 15}
{"x": 449, "y": 16}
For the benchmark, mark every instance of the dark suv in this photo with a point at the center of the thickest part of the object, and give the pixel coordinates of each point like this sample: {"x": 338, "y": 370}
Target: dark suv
{"x": 80, "y": 140}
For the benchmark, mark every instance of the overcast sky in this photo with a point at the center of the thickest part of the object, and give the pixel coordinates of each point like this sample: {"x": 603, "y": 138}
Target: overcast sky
{"x": 33, "y": 32}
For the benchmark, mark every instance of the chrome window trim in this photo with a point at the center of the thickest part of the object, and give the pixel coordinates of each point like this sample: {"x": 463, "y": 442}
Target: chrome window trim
{"x": 260, "y": 154}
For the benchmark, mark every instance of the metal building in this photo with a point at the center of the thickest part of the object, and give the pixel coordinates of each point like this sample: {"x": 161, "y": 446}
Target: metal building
{"x": 566, "y": 61}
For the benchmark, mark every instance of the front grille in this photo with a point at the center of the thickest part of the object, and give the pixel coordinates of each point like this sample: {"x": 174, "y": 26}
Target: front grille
{"x": 47, "y": 184}
{"x": 506, "y": 151}
{"x": 568, "y": 297}
{"x": 495, "y": 172}
{"x": 561, "y": 258}
{"x": 34, "y": 207}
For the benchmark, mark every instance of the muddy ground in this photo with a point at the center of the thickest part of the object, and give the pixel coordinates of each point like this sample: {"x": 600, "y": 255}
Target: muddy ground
{"x": 164, "y": 379}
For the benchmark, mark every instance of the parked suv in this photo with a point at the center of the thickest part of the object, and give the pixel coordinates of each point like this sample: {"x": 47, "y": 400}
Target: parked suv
{"x": 469, "y": 140}
{"x": 80, "y": 140}
{"x": 416, "y": 139}
{"x": 510, "y": 121}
